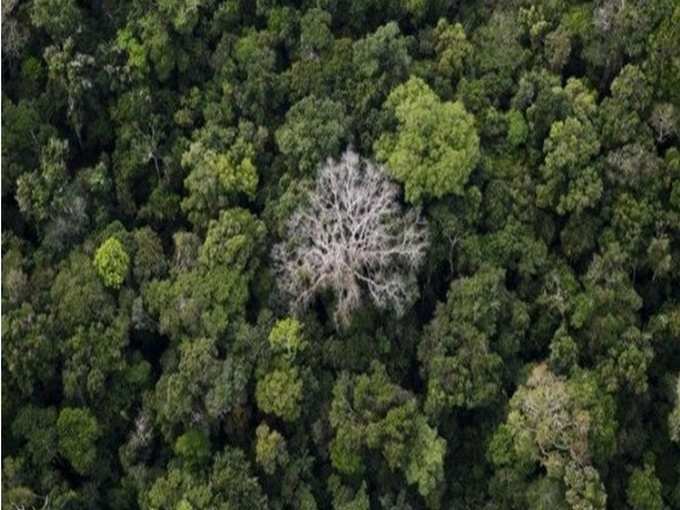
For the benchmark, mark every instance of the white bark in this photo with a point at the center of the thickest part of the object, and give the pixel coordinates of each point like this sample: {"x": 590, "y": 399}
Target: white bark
{"x": 663, "y": 120}
{"x": 352, "y": 238}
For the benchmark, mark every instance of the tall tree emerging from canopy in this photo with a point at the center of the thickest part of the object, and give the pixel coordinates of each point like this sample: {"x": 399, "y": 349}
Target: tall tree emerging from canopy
{"x": 352, "y": 238}
{"x": 436, "y": 146}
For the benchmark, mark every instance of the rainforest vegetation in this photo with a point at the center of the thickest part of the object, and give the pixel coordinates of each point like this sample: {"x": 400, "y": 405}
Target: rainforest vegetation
{"x": 341, "y": 254}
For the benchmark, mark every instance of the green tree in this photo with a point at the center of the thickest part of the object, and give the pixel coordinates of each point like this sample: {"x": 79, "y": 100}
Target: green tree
{"x": 199, "y": 389}
{"x": 498, "y": 55}
{"x": 452, "y": 48}
{"x": 606, "y": 318}
{"x": 112, "y": 262}
{"x": 370, "y": 412}
{"x": 259, "y": 91}
{"x": 644, "y": 489}
{"x": 39, "y": 190}
{"x": 79, "y": 296}
{"x": 29, "y": 359}
{"x": 379, "y": 61}
{"x": 663, "y": 61}
{"x": 572, "y": 182}
{"x": 315, "y": 33}
{"x": 280, "y": 393}
{"x": 464, "y": 348}
{"x": 565, "y": 425}
{"x": 59, "y": 18}
{"x": 37, "y": 427}
{"x": 517, "y": 128}
{"x": 436, "y": 146}
{"x": 270, "y": 449}
{"x": 193, "y": 447}
{"x": 78, "y": 433}
{"x": 182, "y": 14}
{"x": 228, "y": 483}
{"x": 207, "y": 289}
{"x": 584, "y": 487}
{"x": 315, "y": 129}
{"x": 149, "y": 258}
{"x": 287, "y": 336}
{"x": 219, "y": 175}
{"x": 22, "y": 125}
{"x": 346, "y": 498}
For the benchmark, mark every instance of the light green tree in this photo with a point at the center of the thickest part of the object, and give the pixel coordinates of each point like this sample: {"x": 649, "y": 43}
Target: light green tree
{"x": 112, "y": 262}
{"x": 270, "y": 448}
{"x": 287, "y": 336}
{"x": 220, "y": 173}
{"x": 435, "y": 147}
{"x": 280, "y": 393}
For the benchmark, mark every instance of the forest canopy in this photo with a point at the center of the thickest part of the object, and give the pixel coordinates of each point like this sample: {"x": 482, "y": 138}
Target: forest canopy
{"x": 341, "y": 254}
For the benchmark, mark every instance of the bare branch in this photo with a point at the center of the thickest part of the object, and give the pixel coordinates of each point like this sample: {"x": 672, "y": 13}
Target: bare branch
{"x": 352, "y": 238}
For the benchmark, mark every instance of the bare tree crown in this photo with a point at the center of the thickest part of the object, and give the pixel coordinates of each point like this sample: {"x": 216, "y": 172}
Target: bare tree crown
{"x": 353, "y": 239}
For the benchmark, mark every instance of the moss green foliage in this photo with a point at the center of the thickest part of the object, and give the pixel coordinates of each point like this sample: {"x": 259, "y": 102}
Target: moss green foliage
{"x": 112, "y": 262}
{"x": 193, "y": 447}
{"x": 315, "y": 129}
{"x": 452, "y": 48}
{"x": 228, "y": 483}
{"x": 78, "y": 431}
{"x": 222, "y": 171}
{"x": 464, "y": 348}
{"x": 270, "y": 449}
{"x": 435, "y": 146}
{"x": 287, "y": 336}
{"x": 280, "y": 393}
{"x": 207, "y": 291}
{"x": 644, "y": 490}
{"x": 207, "y": 301}
{"x": 517, "y": 128}
{"x": 370, "y": 412}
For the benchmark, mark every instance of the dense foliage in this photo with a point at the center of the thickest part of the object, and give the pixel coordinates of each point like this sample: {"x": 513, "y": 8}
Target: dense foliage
{"x": 341, "y": 254}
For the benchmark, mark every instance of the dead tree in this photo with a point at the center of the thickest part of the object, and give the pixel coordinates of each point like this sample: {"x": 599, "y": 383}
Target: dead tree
{"x": 353, "y": 239}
